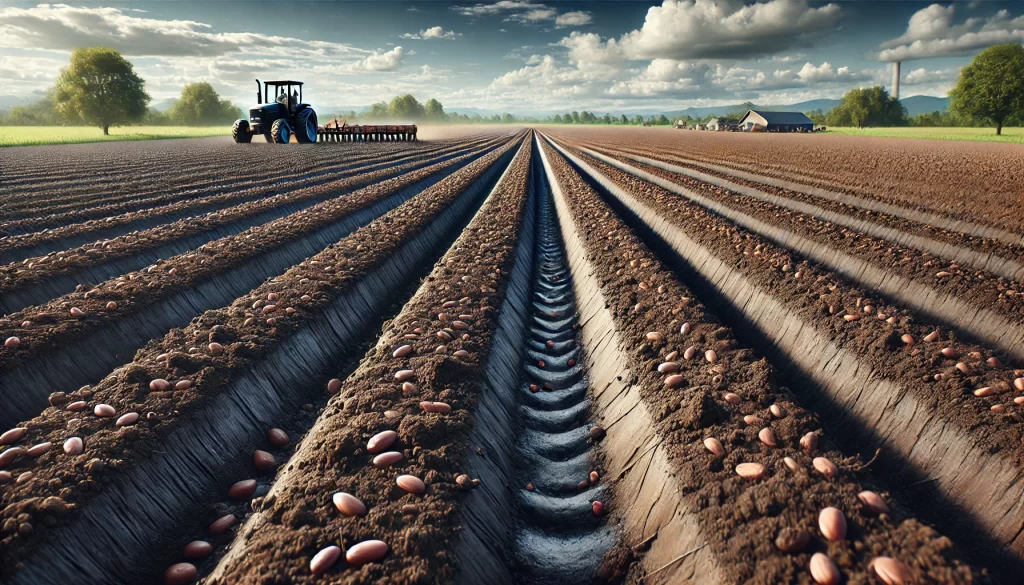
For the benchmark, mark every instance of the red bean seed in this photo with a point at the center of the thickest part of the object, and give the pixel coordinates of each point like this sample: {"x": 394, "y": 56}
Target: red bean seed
{"x": 198, "y": 549}
{"x": 825, "y": 467}
{"x": 459, "y": 325}
{"x": 767, "y": 437}
{"x": 37, "y": 450}
{"x": 986, "y": 391}
{"x": 334, "y": 386}
{"x": 714, "y": 446}
{"x": 7, "y": 456}
{"x": 104, "y": 410}
{"x": 823, "y": 570}
{"x": 242, "y": 490}
{"x": 180, "y": 574}
{"x": 381, "y": 441}
{"x": 76, "y": 406}
{"x": 832, "y": 524}
{"x": 550, "y": 344}
{"x": 222, "y": 524}
{"x": 348, "y": 504}
{"x": 324, "y": 560}
{"x": 403, "y": 375}
{"x": 529, "y": 486}
{"x": 949, "y": 352}
{"x": 873, "y": 502}
{"x": 411, "y": 484}
{"x": 689, "y": 353}
{"x": 111, "y": 306}
{"x": 668, "y": 367}
{"x": 809, "y": 442}
{"x": 77, "y": 313}
{"x": 594, "y": 476}
{"x": 13, "y": 435}
{"x": 732, "y": 398}
{"x": 277, "y": 437}
{"x": 674, "y": 381}
{"x": 368, "y": 551}
{"x": 402, "y": 351}
{"x": 159, "y": 385}
{"x": 12, "y": 342}
{"x": 74, "y": 446}
{"x": 269, "y": 309}
{"x": 387, "y": 459}
{"x": 571, "y": 363}
{"x": 263, "y": 460}
{"x": 598, "y": 508}
{"x": 892, "y": 572}
{"x": 127, "y": 420}
{"x": 752, "y": 471}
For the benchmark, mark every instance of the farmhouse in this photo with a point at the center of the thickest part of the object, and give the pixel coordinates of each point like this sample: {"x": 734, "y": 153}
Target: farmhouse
{"x": 777, "y": 121}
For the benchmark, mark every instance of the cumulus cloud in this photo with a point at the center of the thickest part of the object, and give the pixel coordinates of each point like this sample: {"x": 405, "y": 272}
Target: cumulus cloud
{"x": 378, "y": 61}
{"x": 434, "y": 32}
{"x": 710, "y": 29}
{"x": 525, "y": 12}
{"x": 922, "y": 76}
{"x": 932, "y": 32}
{"x": 60, "y": 27}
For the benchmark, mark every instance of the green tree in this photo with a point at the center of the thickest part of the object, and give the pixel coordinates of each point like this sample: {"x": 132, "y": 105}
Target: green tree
{"x": 663, "y": 121}
{"x": 199, "y": 105}
{"x": 816, "y": 116}
{"x": 575, "y": 117}
{"x": 378, "y": 110}
{"x": 992, "y": 86}
{"x": 434, "y": 110}
{"x": 557, "y": 120}
{"x": 639, "y": 120}
{"x": 42, "y": 113}
{"x": 507, "y": 118}
{"x": 623, "y": 120}
{"x": 867, "y": 107}
{"x": 100, "y": 87}
{"x": 406, "y": 106}
{"x": 607, "y": 119}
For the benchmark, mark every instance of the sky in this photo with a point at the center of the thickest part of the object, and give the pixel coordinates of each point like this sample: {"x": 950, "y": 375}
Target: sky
{"x": 518, "y": 56}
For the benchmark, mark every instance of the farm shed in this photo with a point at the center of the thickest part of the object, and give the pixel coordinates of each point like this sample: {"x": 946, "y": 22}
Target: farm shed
{"x": 713, "y": 124}
{"x": 777, "y": 121}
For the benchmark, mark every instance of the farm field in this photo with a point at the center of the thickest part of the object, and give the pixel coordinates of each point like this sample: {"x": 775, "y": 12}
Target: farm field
{"x": 37, "y": 135}
{"x": 1011, "y": 135}
{"x": 513, "y": 355}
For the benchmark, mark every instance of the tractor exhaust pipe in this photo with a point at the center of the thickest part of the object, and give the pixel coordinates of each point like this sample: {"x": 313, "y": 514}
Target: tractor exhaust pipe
{"x": 259, "y": 94}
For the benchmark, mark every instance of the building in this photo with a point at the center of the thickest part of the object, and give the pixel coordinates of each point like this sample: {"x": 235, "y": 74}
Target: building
{"x": 713, "y": 124}
{"x": 776, "y": 121}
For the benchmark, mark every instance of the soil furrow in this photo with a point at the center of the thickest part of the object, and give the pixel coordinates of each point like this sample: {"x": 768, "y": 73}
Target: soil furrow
{"x": 718, "y": 389}
{"x": 874, "y": 378}
{"x": 262, "y": 363}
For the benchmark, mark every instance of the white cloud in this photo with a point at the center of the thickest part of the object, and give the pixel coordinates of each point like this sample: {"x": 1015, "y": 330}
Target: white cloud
{"x": 378, "y": 61}
{"x": 434, "y": 32}
{"x": 922, "y": 76}
{"x": 577, "y": 18}
{"x": 60, "y": 27}
{"x": 932, "y": 32}
{"x": 710, "y": 29}
{"x": 525, "y": 12}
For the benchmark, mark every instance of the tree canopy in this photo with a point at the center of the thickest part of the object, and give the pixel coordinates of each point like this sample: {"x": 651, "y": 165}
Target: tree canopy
{"x": 434, "y": 110}
{"x": 992, "y": 86}
{"x": 406, "y": 106}
{"x": 871, "y": 106}
{"x": 100, "y": 87}
{"x": 199, "y": 105}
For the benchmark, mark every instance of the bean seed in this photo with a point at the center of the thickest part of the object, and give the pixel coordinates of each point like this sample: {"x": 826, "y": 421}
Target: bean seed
{"x": 776, "y": 411}
{"x": 891, "y": 571}
{"x": 711, "y": 356}
{"x": 77, "y": 313}
{"x": 714, "y": 446}
{"x": 986, "y": 391}
{"x": 672, "y": 356}
{"x": 685, "y": 329}
{"x": 732, "y": 398}
{"x": 180, "y": 574}
{"x": 825, "y": 467}
{"x": 673, "y": 381}
{"x": 402, "y": 351}
{"x": 366, "y": 552}
{"x": 668, "y": 367}
{"x": 127, "y": 420}
{"x": 381, "y": 441}
{"x": 242, "y": 490}
{"x": 403, "y": 375}
{"x": 873, "y": 502}
{"x": 216, "y": 348}
{"x": 104, "y": 410}
{"x": 348, "y": 504}
{"x": 198, "y": 549}
{"x": 689, "y": 353}
{"x": 159, "y": 385}
{"x": 767, "y": 437}
{"x": 791, "y": 463}
{"x": 594, "y": 477}
{"x": 751, "y": 420}
{"x": 37, "y": 450}
{"x": 832, "y": 524}
{"x": 752, "y": 471}
{"x": 387, "y": 459}
{"x": 76, "y": 406}
{"x": 7, "y": 456}
{"x": 411, "y": 484}
{"x": 277, "y": 437}
{"x": 823, "y": 570}
{"x": 809, "y": 442}
{"x": 598, "y": 508}
{"x": 263, "y": 460}
{"x": 13, "y": 435}
{"x": 949, "y": 352}
{"x": 74, "y": 446}
{"x": 324, "y": 560}
{"x": 333, "y": 386}
{"x": 931, "y": 336}
{"x": 655, "y": 337}
{"x": 12, "y": 342}
{"x": 1019, "y": 384}
{"x": 183, "y": 384}
{"x": 222, "y": 524}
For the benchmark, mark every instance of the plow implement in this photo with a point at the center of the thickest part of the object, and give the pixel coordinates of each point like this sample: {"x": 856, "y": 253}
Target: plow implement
{"x": 340, "y": 131}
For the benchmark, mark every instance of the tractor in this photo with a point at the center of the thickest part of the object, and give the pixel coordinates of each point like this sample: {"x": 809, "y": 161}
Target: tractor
{"x": 277, "y": 117}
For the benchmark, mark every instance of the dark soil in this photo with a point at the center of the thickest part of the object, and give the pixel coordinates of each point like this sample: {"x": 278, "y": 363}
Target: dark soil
{"x": 644, "y": 296}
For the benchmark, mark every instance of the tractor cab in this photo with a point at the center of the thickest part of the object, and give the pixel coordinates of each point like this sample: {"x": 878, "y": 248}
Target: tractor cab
{"x": 279, "y": 114}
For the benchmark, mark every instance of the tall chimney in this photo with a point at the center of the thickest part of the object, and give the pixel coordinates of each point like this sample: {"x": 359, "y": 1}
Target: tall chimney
{"x": 896, "y": 79}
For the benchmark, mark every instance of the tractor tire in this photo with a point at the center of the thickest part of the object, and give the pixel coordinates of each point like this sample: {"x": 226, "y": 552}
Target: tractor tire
{"x": 281, "y": 131}
{"x": 305, "y": 126}
{"x": 240, "y": 132}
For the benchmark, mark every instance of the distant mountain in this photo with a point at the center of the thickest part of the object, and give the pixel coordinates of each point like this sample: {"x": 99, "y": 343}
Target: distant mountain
{"x": 918, "y": 104}
{"x": 163, "y": 105}
{"x": 922, "y": 104}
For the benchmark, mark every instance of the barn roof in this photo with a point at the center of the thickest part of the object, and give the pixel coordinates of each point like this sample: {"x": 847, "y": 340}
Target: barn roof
{"x": 782, "y": 117}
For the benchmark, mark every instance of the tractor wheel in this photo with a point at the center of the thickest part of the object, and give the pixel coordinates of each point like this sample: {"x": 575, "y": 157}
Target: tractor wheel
{"x": 281, "y": 131}
{"x": 305, "y": 126}
{"x": 240, "y": 132}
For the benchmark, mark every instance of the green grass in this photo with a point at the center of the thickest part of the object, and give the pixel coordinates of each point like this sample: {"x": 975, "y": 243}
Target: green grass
{"x": 37, "y": 135}
{"x": 1012, "y": 135}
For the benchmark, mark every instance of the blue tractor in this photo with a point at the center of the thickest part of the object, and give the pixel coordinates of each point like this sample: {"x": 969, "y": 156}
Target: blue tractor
{"x": 278, "y": 116}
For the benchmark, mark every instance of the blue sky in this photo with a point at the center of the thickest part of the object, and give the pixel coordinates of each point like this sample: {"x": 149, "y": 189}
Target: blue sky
{"x": 519, "y": 56}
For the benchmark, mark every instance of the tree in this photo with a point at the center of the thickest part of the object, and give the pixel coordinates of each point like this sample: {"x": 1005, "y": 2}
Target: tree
{"x": 100, "y": 87}
{"x": 557, "y": 120}
{"x": 575, "y": 117}
{"x": 868, "y": 107}
{"x": 816, "y": 116}
{"x": 663, "y": 121}
{"x": 434, "y": 110}
{"x": 992, "y": 86}
{"x": 378, "y": 110}
{"x": 406, "y": 106}
{"x": 624, "y": 120}
{"x": 199, "y": 105}
{"x": 507, "y": 118}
